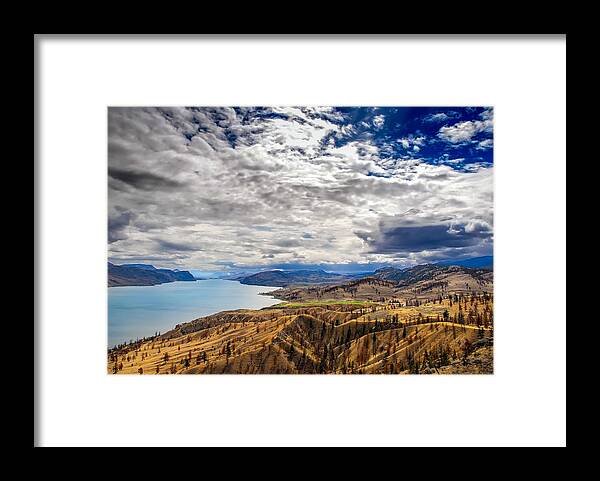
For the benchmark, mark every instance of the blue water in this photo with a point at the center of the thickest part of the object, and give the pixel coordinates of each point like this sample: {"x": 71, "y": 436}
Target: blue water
{"x": 135, "y": 312}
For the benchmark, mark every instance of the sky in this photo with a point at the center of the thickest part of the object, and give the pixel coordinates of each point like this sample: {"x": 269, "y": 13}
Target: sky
{"x": 354, "y": 188}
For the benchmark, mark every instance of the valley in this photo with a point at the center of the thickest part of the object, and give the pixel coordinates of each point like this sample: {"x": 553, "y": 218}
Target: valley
{"x": 424, "y": 320}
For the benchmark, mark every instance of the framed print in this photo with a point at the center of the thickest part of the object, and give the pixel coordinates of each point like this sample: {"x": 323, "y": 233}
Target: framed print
{"x": 299, "y": 230}
{"x": 300, "y": 240}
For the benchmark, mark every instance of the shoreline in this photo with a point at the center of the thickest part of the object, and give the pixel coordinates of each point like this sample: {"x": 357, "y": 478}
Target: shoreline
{"x": 196, "y": 317}
{"x": 157, "y": 284}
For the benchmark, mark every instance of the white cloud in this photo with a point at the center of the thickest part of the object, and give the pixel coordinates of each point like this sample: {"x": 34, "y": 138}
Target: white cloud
{"x": 485, "y": 144}
{"x": 195, "y": 188}
{"x": 412, "y": 142}
{"x": 448, "y": 161}
{"x": 441, "y": 117}
{"x": 464, "y": 131}
{"x": 378, "y": 121}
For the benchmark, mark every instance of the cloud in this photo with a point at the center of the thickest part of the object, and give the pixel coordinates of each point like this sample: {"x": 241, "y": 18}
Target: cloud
{"x": 213, "y": 188}
{"x": 464, "y": 131}
{"x": 411, "y": 141}
{"x": 287, "y": 243}
{"x": 485, "y": 144}
{"x": 445, "y": 159}
{"x": 407, "y": 239}
{"x": 117, "y": 226}
{"x": 170, "y": 246}
{"x": 378, "y": 121}
{"x": 441, "y": 117}
{"x": 143, "y": 180}
{"x": 442, "y": 224}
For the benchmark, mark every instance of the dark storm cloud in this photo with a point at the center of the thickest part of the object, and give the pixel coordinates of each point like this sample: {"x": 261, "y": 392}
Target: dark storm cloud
{"x": 406, "y": 239}
{"x": 169, "y": 246}
{"x": 288, "y": 243}
{"x": 143, "y": 180}
{"x": 117, "y": 225}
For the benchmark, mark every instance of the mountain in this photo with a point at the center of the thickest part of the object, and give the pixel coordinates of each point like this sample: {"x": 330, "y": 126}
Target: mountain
{"x": 285, "y": 278}
{"x": 429, "y": 319}
{"x": 147, "y": 267}
{"x": 143, "y": 275}
{"x": 407, "y": 276}
{"x": 392, "y": 274}
{"x": 435, "y": 277}
{"x": 422, "y": 282}
{"x": 447, "y": 335}
{"x": 484, "y": 262}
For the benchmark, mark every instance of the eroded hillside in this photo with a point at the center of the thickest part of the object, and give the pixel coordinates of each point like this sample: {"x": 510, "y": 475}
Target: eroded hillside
{"x": 421, "y": 283}
{"x": 333, "y": 336}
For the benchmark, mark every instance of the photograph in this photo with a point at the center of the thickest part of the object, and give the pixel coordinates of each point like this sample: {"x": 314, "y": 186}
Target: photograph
{"x": 300, "y": 240}
{"x": 296, "y": 228}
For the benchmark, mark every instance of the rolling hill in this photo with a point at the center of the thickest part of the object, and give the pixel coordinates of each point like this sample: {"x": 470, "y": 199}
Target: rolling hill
{"x": 329, "y": 337}
{"x": 428, "y": 320}
{"x": 143, "y": 275}
{"x": 421, "y": 282}
{"x": 279, "y": 278}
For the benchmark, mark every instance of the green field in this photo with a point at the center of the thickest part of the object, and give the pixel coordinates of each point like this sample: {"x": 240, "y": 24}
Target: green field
{"x": 324, "y": 302}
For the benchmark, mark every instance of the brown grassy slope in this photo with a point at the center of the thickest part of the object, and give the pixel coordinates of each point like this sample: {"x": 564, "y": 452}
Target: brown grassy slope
{"x": 434, "y": 283}
{"x": 327, "y": 337}
{"x": 481, "y": 360}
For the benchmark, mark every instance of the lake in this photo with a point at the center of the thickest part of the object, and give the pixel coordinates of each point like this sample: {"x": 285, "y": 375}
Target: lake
{"x": 139, "y": 311}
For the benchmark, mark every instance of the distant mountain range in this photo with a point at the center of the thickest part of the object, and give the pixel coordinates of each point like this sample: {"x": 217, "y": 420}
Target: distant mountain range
{"x": 397, "y": 276}
{"x": 148, "y": 275}
{"x": 147, "y": 267}
{"x": 428, "y": 272}
{"x": 427, "y": 319}
{"x": 286, "y": 278}
{"x": 428, "y": 281}
{"x": 484, "y": 262}
{"x": 143, "y": 275}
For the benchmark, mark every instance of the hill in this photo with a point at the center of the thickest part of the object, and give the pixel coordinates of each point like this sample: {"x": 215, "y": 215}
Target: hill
{"x": 485, "y": 262}
{"x": 430, "y": 320}
{"x": 280, "y": 278}
{"x": 422, "y": 282}
{"x": 329, "y": 337}
{"x": 134, "y": 275}
{"x": 147, "y": 267}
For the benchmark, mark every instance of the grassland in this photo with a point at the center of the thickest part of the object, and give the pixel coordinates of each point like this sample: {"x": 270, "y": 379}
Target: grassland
{"x": 446, "y": 333}
{"x": 333, "y": 302}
